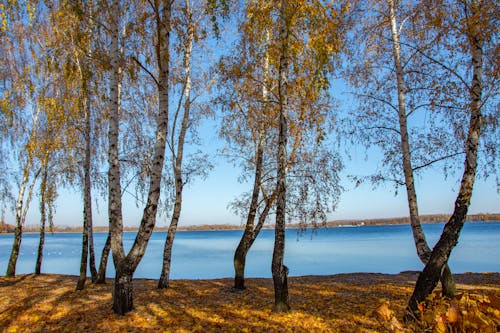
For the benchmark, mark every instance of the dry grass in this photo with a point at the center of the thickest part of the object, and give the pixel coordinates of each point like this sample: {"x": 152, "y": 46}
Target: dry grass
{"x": 338, "y": 303}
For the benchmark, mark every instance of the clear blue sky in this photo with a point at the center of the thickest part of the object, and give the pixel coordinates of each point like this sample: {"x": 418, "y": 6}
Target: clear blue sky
{"x": 205, "y": 201}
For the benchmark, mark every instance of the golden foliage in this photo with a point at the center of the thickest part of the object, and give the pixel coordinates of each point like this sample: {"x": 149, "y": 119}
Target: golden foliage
{"x": 388, "y": 318}
{"x": 466, "y": 312}
{"x": 340, "y": 303}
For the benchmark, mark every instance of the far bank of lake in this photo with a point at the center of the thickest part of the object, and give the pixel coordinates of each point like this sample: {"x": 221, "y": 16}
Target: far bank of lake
{"x": 424, "y": 219}
{"x": 209, "y": 254}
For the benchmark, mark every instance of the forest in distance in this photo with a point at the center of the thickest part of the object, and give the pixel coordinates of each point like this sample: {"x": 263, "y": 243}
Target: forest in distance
{"x": 430, "y": 218}
{"x": 108, "y": 99}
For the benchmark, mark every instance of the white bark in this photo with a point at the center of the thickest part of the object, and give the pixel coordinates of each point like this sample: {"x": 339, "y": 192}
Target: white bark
{"x": 280, "y": 271}
{"x": 178, "y": 157}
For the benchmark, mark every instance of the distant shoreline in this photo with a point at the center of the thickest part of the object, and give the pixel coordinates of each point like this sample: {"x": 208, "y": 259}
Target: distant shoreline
{"x": 425, "y": 219}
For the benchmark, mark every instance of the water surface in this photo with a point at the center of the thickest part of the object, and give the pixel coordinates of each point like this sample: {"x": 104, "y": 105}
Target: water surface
{"x": 209, "y": 254}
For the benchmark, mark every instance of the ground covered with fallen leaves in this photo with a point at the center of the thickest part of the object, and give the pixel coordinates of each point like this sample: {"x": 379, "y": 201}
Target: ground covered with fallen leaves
{"x": 337, "y": 303}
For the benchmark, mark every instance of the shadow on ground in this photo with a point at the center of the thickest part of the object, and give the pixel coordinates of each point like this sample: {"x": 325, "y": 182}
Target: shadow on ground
{"x": 339, "y": 303}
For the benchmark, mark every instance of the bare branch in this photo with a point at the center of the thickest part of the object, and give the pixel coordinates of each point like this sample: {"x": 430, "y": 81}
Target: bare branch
{"x": 378, "y": 99}
{"x": 385, "y": 128}
{"x": 451, "y": 70}
{"x": 146, "y": 70}
{"x": 437, "y": 160}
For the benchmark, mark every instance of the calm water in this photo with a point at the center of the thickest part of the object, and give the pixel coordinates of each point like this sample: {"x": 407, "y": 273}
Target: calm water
{"x": 208, "y": 254}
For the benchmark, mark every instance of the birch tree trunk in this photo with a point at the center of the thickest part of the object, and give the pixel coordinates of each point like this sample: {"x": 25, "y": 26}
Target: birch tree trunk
{"x": 251, "y": 233}
{"x": 249, "y": 236}
{"x": 101, "y": 275}
{"x": 18, "y": 232}
{"x": 87, "y": 235}
{"x": 88, "y": 253}
{"x": 122, "y": 293}
{"x": 88, "y": 220}
{"x": 423, "y": 250}
{"x": 245, "y": 242}
{"x": 43, "y": 218}
{"x": 126, "y": 265}
{"x": 88, "y": 149}
{"x": 179, "y": 183}
{"x": 429, "y": 277}
{"x": 85, "y": 246}
{"x": 279, "y": 270}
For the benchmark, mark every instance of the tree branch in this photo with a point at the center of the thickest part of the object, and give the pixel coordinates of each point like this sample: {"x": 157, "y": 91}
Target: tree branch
{"x": 146, "y": 70}
{"x": 385, "y": 128}
{"x": 451, "y": 70}
{"x": 436, "y": 160}
{"x": 378, "y": 99}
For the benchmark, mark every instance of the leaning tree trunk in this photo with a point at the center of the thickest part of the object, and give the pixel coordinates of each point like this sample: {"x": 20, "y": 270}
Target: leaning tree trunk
{"x": 423, "y": 249}
{"x": 101, "y": 275}
{"x": 251, "y": 233}
{"x": 429, "y": 277}
{"x": 20, "y": 217}
{"x": 20, "y": 214}
{"x": 241, "y": 252}
{"x": 18, "y": 232}
{"x": 43, "y": 220}
{"x": 279, "y": 270}
{"x": 244, "y": 244}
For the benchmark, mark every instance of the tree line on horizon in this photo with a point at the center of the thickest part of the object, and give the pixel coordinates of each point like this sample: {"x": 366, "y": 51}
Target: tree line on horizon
{"x": 106, "y": 97}
{"x": 433, "y": 218}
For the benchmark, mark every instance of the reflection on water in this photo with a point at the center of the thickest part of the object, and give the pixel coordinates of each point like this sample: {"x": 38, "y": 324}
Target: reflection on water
{"x": 209, "y": 254}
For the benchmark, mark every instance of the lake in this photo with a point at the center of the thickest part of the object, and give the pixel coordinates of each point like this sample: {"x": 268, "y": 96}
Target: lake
{"x": 209, "y": 254}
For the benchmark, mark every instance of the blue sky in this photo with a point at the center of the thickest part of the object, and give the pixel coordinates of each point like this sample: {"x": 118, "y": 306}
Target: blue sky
{"x": 205, "y": 201}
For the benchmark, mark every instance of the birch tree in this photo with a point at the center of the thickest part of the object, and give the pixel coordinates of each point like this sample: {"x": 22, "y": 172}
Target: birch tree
{"x": 125, "y": 264}
{"x": 248, "y": 128}
{"x": 22, "y": 88}
{"x": 423, "y": 249}
{"x": 395, "y": 111}
{"x": 49, "y": 138}
{"x": 320, "y": 31}
{"x": 279, "y": 270}
{"x": 84, "y": 67}
{"x": 189, "y": 24}
{"x": 55, "y": 143}
{"x": 249, "y": 97}
{"x": 465, "y": 30}
{"x": 298, "y": 69}
{"x": 74, "y": 36}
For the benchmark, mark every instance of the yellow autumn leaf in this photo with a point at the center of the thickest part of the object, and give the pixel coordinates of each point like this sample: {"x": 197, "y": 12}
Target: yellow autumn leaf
{"x": 383, "y": 312}
{"x": 452, "y": 315}
{"x": 439, "y": 326}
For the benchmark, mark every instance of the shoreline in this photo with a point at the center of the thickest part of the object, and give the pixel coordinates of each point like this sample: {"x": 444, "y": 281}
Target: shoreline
{"x": 425, "y": 219}
{"x": 407, "y": 273}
